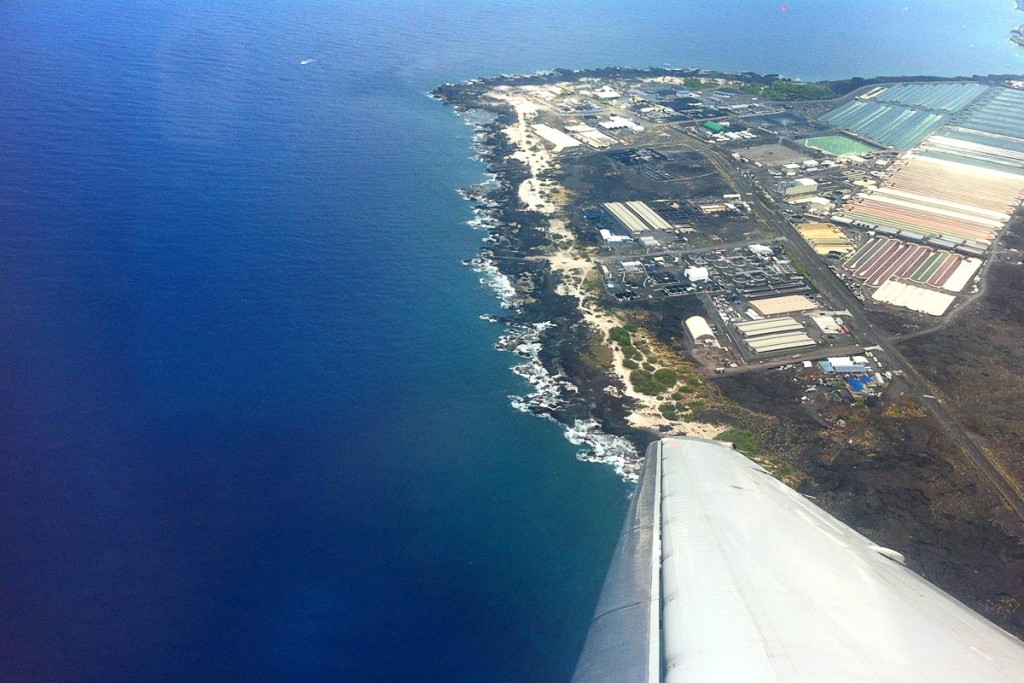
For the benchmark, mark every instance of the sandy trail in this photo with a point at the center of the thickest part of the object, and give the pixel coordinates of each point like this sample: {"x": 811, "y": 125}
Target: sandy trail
{"x": 575, "y": 266}
{"x": 531, "y": 150}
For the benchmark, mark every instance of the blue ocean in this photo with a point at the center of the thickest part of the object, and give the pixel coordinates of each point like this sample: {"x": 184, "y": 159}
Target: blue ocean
{"x": 252, "y": 426}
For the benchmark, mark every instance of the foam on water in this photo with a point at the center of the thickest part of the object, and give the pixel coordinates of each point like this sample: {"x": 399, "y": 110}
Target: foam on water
{"x": 550, "y": 392}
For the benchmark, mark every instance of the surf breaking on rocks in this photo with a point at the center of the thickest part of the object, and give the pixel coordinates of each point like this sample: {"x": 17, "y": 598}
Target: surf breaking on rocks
{"x": 549, "y": 392}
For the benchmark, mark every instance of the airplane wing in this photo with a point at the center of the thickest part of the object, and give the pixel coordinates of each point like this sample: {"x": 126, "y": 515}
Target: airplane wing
{"x": 723, "y": 573}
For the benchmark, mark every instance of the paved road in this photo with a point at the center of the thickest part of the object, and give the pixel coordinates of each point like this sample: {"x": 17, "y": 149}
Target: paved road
{"x": 614, "y": 258}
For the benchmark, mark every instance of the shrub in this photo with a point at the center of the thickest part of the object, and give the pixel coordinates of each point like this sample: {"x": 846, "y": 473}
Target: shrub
{"x": 666, "y": 377}
{"x": 620, "y": 336}
{"x": 652, "y": 382}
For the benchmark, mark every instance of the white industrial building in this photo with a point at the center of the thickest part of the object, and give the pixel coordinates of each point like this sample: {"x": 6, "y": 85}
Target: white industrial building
{"x": 610, "y": 237}
{"x": 636, "y": 216}
{"x": 620, "y": 122}
{"x": 797, "y": 187}
{"x": 913, "y": 297}
{"x": 700, "y": 332}
{"x": 783, "y": 305}
{"x": 758, "y": 328}
{"x": 785, "y": 341}
{"x": 844, "y": 364}
{"x": 697, "y": 274}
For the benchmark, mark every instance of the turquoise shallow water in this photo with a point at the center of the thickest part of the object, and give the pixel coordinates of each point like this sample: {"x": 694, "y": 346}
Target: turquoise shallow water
{"x": 251, "y": 426}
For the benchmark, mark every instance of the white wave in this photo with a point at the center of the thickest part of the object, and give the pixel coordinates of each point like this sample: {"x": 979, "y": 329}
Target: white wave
{"x": 500, "y": 283}
{"x": 551, "y": 392}
{"x": 548, "y": 392}
{"x": 604, "y": 448}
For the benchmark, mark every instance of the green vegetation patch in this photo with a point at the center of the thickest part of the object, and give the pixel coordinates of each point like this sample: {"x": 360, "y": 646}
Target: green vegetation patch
{"x": 789, "y": 91}
{"x": 666, "y": 377}
{"x": 653, "y": 383}
{"x": 741, "y": 439}
{"x": 620, "y": 336}
{"x": 837, "y": 145}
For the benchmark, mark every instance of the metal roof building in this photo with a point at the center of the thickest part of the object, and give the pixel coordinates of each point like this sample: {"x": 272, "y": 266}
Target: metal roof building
{"x": 842, "y": 364}
{"x": 913, "y": 297}
{"x": 782, "y": 305}
{"x": 697, "y": 274}
{"x": 757, "y": 328}
{"x": 798, "y": 186}
{"x": 698, "y": 329}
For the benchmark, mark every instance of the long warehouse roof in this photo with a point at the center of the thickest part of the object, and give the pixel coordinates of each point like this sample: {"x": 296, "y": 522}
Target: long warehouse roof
{"x": 628, "y": 219}
{"x": 649, "y": 216}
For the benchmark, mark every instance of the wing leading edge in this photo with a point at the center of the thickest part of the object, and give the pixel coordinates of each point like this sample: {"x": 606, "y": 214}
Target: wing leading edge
{"x": 724, "y": 573}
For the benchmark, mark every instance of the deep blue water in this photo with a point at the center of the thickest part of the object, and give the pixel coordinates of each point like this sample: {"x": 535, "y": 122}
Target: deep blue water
{"x": 251, "y": 426}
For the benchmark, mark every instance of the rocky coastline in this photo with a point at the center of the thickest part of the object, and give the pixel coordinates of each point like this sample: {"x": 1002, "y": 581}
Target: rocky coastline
{"x": 542, "y": 327}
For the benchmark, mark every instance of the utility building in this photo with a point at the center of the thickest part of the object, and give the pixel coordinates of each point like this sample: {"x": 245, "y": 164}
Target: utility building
{"x": 700, "y": 332}
{"x": 797, "y": 187}
{"x": 696, "y": 274}
{"x": 783, "y": 305}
